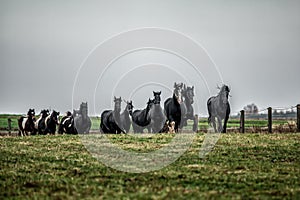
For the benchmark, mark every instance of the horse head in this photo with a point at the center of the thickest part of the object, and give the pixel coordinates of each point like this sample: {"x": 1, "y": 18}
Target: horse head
{"x": 224, "y": 93}
{"x": 44, "y": 113}
{"x": 150, "y": 103}
{"x": 178, "y": 90}
{"x": 118, "y": 102}
{"x": 156, "y": 97}
{"x": 83, "y": 109}
{"x": 54, "y": 116}
{"x": 31, "y": 113}
{"x": 68, "y": 113}
{"x": 129, "y": 107}
{"x": 189, "y": 94}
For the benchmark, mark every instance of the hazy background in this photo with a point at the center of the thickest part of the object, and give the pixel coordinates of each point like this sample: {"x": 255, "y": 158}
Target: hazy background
{"x": 255, "y": 44}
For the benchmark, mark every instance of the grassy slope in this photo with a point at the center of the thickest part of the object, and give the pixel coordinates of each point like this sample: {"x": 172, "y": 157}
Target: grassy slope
{"x": 240, "y": 166}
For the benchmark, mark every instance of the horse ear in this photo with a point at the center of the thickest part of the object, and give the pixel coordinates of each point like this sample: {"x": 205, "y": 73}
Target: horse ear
{"x": 192, "y": 87}
{"x": 115, "y": 98}
{"x": 159, "y": 93}
{"x": 153, "y": 93}
{"x": 174, "y": 84}
{"x": 184, "y": 87}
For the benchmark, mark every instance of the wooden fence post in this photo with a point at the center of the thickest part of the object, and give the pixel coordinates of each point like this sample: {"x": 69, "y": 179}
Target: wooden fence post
{"x": 195, "y": 125}
{"x": 9, "y": 125}
{"x": 298, "y": 118}
{"x": 270, "y": 120}
{"x": 242, "y": 122}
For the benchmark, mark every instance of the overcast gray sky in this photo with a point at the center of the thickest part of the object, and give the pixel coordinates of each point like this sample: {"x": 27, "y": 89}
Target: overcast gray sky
{"x": 255, "y": 45}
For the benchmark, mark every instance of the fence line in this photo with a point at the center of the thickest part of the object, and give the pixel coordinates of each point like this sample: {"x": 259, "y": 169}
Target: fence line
{"x": 270, "y": 117}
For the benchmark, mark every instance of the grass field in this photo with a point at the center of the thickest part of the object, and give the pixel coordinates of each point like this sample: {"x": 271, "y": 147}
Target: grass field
{"x": 241, "y": 166}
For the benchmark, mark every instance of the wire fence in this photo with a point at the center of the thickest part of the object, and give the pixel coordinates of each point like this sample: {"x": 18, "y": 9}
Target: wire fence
{"x": 271, "y": 119}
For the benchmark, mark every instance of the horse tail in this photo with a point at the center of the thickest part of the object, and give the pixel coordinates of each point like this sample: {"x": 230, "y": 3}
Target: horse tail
{"x": 209, "y": 110}
{"x": 20, "y": 122}
{"x": 209, "y": 119}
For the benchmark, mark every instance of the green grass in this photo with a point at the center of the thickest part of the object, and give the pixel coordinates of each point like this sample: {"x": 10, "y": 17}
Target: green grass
{"x": 241, "y": 166}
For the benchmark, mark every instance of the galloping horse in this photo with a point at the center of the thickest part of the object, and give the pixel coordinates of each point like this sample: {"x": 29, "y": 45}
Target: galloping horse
{"x": 187, "y": 110}
{"x": 125, "y": 119}
{"x": 82, "y": 121}
{"x": 50, "y": 122}
{"x": 219, "y": 108}
{"x": 141, "y": 118}
{"x": 40, "y": 122}
{"x": 156, "y": 114}
{"x": 110, "y": 119}
{"x": 26, "y": 124}
{"x": 172, "y": 107}
{"x": 66, "y": 124}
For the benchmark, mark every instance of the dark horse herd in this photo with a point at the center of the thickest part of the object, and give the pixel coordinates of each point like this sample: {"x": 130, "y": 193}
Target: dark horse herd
{"x": 177, "y": 110}
{"x": 71, "y": 123}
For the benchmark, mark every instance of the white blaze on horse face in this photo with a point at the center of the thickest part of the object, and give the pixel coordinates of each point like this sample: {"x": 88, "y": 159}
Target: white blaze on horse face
{"x": 180, "y": 96}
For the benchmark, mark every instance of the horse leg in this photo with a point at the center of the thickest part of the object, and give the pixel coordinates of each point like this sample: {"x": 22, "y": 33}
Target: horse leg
{"x": 220, "y": 128}
{"x": 21, "y": 133}
{"x": 225, "y": 124}
{"x": 172, "y": 125}
{"x": 149, "y": 129}
{"x": 183, "y": 122}
{"x": 177, "y": 130}
{"x": 134, "y": 127}
{"x": 102, "y": 130}
{"x": 213, "y": 120}
{"x": 120, "y": 130}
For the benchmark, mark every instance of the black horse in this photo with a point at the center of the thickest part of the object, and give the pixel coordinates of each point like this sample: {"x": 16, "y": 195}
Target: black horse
{"x": 141, "y": 118}
{"x": 26, "y": 124}
{"x": 50, "y": 122}
{"x": 187, "y": 110}
{"x": 66, "y": 124}
{"x": 111, "y": 120}
{"x": 157, "y": 115}
{"x": 82, "y": 121}
{"x": 219, "y": 108}
{"x": 172, "y": 107}
{"x": 40, "y": 122}
{"x": 125, "y": 116}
